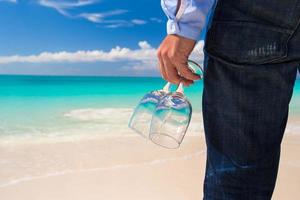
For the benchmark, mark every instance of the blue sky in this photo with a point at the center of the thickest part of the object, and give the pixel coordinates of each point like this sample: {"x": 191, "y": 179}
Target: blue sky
{"x": 33, "y": 27}
{"x": 82, "y": 37}
{"x": 29, "y": 26}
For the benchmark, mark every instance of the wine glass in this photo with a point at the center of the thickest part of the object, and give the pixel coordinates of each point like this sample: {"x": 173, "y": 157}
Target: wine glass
{"x": 172, "y": 116}
{"x": 142, "y": 115}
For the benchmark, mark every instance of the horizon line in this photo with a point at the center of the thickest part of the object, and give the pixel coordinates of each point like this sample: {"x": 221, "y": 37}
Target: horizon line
{"x": 76, "y": 75}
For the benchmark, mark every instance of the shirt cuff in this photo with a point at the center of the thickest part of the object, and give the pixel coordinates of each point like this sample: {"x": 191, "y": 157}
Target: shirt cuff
{"x": 183, "y": 29}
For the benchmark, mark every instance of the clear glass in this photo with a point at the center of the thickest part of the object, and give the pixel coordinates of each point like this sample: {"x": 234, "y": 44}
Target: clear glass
{"x": 196, "y": 68}
{"x": 170, "y": 120}
{"x": 164, "y": 117}
{"x": 142, "y": 115}
{"x": 172, "y": 116}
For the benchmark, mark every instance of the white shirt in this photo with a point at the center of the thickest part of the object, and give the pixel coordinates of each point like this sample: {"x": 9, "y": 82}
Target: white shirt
{"x": 188, "y": 18}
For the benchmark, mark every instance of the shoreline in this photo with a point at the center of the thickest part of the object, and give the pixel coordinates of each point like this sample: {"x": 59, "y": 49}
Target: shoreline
{"x": 195, "y": 129}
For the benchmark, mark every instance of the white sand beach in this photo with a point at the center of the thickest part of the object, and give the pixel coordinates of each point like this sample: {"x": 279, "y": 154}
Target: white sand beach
{"x": 115, "y": 168}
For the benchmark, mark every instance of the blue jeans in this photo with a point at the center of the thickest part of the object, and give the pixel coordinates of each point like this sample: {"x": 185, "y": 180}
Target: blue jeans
{"x": 252, "y": 52}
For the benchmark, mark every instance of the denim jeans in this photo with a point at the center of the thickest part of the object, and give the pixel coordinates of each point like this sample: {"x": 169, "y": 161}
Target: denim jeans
{"x": 252, "y": 52}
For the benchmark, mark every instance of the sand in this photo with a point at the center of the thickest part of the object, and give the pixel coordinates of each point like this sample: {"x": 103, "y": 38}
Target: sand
{"x": 115, "y": 168}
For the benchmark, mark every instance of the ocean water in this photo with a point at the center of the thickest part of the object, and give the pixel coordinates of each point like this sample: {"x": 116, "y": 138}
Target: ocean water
{"x": 35, "y": 108}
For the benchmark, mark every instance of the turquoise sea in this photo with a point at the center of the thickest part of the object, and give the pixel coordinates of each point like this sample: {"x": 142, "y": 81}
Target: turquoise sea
{"x": 54, "y": 107}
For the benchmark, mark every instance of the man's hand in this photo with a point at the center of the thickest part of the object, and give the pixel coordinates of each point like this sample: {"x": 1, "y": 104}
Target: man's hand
{"x": 173, "y": 55}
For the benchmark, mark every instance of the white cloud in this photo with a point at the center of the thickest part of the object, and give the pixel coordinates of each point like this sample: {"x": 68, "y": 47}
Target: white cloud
{"x": 93, "y": 17}
{"x": 66, "y": 4}
{"x": 63, "y": 6}
{"x": 99, "y": 17}
{"x": 144, "y": 45}
{"x": 154, "y": 19}
{"x": 117, "y": 23}
{"x": 143, "y": 58}
{"x": 145, "y": 52}
{"x": 9, "y": 1}
{"x": 151, "y": 64}
{"x": 138, "y": 21}
{"x": 123, "y": 23}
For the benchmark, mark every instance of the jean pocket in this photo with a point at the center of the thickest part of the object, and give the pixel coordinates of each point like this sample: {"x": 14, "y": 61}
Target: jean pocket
{"x": 246, "y": 42}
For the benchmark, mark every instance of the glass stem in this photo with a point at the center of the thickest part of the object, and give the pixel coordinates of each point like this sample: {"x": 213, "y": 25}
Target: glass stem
{"x": 180, "y": 88}
{"x": 166, "y": 88}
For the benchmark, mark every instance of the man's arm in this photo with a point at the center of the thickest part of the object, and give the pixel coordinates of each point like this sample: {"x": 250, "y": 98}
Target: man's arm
{"x": 186, "y": 19}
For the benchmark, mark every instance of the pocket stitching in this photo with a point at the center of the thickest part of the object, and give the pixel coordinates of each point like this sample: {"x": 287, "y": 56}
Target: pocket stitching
{"x": 214, "y": 48}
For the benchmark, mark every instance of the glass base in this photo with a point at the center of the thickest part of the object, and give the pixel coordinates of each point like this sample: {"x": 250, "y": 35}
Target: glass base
{"x": 164, "y": 140}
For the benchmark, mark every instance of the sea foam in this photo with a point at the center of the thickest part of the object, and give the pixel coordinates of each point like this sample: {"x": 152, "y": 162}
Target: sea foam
{"x": 113, "y": 115}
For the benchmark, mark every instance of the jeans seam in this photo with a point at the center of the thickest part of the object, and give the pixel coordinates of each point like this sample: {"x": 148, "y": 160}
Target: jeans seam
{"x": 291, "y": 34}
{"x": 255, "y": 24}
{"x": 294, "y": 30}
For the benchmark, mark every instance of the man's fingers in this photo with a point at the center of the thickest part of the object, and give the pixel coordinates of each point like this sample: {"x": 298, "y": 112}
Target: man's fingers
{"x": 185, "y": 72}
{"x": 161, "y": 66}
{"x": 171, "y": 71}
{"x": 186, "y": 82}
{"x": 172, "y": 46}
{"x": 173, "y": 75}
